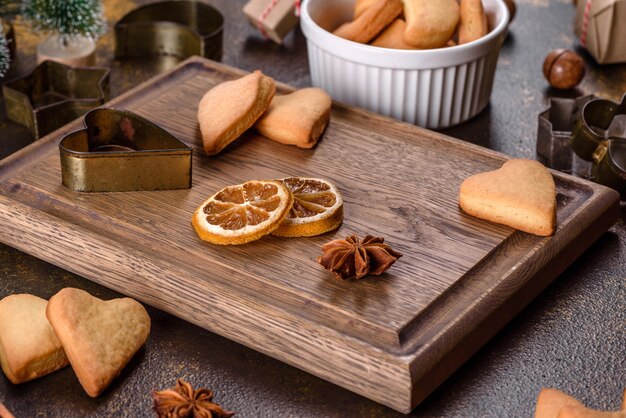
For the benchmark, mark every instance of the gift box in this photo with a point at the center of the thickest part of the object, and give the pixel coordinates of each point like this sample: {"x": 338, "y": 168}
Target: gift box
{"x": 601, "y": 29}
{"x": 274, "y": 18}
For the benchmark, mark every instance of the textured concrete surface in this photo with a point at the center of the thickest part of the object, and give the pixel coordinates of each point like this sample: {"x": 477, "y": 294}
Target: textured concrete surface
{"x": 572, "y": 337}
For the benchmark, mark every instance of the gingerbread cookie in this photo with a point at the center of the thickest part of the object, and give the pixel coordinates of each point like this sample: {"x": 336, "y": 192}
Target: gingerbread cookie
{"x": 552, "y": 403}
{"x": 362, "y": 5}
{"x": 392, "y": 37}
{"x": 520, "y": 194}
{"x": 430, "y": 24}
{"x": 298, "y": 118}
{"x": 473, "y": 23}
{"x": 371, "y": 22}
{"x": 4, "y": 412}
{"x": 230, "y": 108}
{"x": 99, "y": 337}
{"x": 28, "y": 346}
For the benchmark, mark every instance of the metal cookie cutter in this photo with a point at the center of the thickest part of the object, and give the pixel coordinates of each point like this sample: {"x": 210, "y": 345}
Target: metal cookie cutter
{"x": 54, "y": 94}
{"x": 599, "y": 136}
{"x": 180, "y": 28}
{"x": 554, "y": 132}
{"x": 120, "y": 151}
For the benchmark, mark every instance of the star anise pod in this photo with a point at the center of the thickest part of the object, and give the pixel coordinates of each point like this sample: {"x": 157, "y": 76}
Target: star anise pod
{"x": 352, "y": 258}
{"x": 182, "y": 401}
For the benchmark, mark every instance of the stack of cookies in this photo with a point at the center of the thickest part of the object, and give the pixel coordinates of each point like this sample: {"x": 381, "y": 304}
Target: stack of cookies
{"x": 231, "y": 108}
{"x": 96, "y": 337}
{"x": 415, "y": 24}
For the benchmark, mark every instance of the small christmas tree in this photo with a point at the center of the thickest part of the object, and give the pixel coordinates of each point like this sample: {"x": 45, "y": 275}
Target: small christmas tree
{"x": 5, "y": 54}
{"x": 68, "y": 18}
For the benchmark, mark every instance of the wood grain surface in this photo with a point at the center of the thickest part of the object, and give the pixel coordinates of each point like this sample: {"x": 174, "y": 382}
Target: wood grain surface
{"x": 459, "y": 281}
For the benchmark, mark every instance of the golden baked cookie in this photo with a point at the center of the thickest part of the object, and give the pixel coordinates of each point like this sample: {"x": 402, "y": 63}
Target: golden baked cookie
{"x": 99, "y": 337}
{"x": 4, "y": 412}
{"x": 362, "y": 5}
{"x": 520, "y": 194}
{"x": 393, "y": 36}
{"x": 430, "y": 24}
{"x": 28, "y": 346}
{"x": 230, "y": 108}
{"x": 298, "y": 118}
{"x": 473, "y": 23}
{"x": 371, "y": 22}
{"x": 551, "y": 401}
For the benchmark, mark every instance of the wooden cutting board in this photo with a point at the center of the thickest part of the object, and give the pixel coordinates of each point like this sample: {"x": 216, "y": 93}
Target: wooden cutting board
{"x": 392, "y": 338}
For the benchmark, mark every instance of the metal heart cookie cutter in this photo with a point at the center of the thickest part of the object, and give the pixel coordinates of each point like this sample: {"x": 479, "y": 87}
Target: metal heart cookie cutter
{"x": 180, "y": 28}
{"x": 54, "y": 94}
{"x": 119, "y": 151}
{"x": 599, "y": 136}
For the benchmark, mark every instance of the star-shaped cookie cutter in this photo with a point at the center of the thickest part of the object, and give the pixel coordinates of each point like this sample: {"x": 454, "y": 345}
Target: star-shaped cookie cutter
{"x": 180, "y": 28}
{"x": 599, "y": 136}
{"x": 120, "y": 151}
{"x": 53, "y": 95}
{"x": 554, "y": 131}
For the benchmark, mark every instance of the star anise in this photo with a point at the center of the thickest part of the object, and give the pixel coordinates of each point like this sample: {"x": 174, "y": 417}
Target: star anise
{"x": 352, "y": 258}
{"x": 182, "y": 401}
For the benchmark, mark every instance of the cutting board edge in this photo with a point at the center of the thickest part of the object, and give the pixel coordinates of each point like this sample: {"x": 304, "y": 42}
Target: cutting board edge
{"x": 413, "y": 382}
{"x": 328, "y": 353}
{"x": 503, "y": 303}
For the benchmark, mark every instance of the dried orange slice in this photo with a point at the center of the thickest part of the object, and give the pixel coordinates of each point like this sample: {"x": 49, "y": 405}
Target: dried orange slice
{"x": 242, "y": 213}
{"x": 317, "y": 208}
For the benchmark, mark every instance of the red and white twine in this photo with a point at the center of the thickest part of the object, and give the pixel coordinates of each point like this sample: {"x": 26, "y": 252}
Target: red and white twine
{"x": 585, "y": 24}
{"x": 268, "y": 10}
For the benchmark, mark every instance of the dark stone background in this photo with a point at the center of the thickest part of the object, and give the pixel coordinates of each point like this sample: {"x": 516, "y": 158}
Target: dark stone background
{"x": 572, "y": 337}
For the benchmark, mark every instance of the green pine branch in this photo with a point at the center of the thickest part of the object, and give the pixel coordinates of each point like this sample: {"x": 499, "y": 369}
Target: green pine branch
{"x": 66, "y": 17}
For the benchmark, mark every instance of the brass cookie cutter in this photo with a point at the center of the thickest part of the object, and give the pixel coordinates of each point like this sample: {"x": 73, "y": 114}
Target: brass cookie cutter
{"x": 599, "y": 136}
{"x": 53, "y": 95}
{"x": 181, "y": 28}
{"x": 120, "y": 151}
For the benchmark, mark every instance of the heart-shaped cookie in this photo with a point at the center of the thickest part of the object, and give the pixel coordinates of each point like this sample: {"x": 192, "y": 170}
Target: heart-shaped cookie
{"x": 298, "y": 118}
{"x": 520, "y": 194}
{"x": 28, "y": 346}
{"x": 552, "y": 403}
{"x": 230, "y": 108}
{"x": 99, "y": 337}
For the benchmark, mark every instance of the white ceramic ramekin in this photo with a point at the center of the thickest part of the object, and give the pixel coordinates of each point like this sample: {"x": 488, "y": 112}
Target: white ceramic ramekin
{"x": 433, "y": 88}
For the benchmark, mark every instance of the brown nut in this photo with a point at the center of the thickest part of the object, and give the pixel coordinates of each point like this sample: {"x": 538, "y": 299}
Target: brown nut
{"x": 563, "y": 69}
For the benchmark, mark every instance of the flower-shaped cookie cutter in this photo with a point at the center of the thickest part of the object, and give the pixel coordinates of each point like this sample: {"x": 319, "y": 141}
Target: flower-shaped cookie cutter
{"x": 54, "y": 94}
{"x": 599, "y": 136}
{"x": 181, "y": 28}
{"x": 119, "y": 151}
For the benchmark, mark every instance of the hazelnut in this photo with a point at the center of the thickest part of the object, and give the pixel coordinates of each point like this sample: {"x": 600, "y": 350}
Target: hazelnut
{"x": 563, "y": 69}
